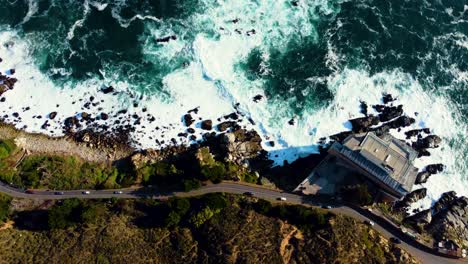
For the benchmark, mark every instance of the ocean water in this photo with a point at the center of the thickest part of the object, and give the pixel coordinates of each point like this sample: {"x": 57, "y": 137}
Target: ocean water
{"x": 313, "y": 61}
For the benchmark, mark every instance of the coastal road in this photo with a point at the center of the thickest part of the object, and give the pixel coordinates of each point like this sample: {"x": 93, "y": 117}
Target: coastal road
{"x": 387, "y": 231}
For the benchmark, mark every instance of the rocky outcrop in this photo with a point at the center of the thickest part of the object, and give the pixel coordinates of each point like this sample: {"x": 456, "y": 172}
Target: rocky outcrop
{"x": 431, "y": 141}
{"x": 444, "y": 201}
{"x": 227, "y": 125}
{"x": 423, "y": 176}
{"x": 363, "y": 124}
{"x": 420, "y": 219}
{"x": 451, "y": 222}
{"x": 389, "y": 113}
{"x": 207, "y": 124}
{"x": 410, "y": 198}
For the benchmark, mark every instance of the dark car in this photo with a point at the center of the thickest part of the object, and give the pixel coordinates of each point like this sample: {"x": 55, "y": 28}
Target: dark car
{"x": 395, "y": 240}
{"x": 248, "y": 193}
{"x": 58, "y": 193}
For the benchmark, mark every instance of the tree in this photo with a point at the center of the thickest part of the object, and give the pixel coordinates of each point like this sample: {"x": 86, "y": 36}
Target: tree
{"x": 201, "y": 217}
{"x": 191, "y": 184}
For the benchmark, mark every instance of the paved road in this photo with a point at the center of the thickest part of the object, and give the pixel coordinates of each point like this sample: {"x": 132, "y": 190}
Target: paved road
{"x": 237, "y": 188}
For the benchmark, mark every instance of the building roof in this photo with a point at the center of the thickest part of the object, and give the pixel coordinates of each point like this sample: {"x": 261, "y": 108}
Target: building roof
{"x": 391, "y": 155}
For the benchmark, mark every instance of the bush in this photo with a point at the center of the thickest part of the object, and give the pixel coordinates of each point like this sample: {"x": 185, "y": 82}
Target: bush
{"x": 215, "y": 201}
{"x": 215, "y": 173}
{"x": 160, "y": 173}
{"x": 191, "y": 184}
{"x": 66, "y": 215}
{"x": 201, "y": 217}
{"x": 6, "y": 148}
{"x": 5, "y": 202}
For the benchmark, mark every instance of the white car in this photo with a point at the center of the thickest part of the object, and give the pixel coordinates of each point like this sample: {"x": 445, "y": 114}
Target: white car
{"x": 118, "y": 192}
{"x": 282, "y": 198}
{"x": 369, "y": 223}
{"x": 85, "y": 192}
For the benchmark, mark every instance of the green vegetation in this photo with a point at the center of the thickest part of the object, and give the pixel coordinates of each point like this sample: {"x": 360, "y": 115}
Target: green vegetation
{"x": 214, "y": 228}
{"x": 7, "y": 147}
{"x": 5, "y": 202}
{"x": 65, "y": 173}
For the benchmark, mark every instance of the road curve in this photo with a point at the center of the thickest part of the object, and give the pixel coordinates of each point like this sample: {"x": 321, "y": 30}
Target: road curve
{"x": 409, "y": 245}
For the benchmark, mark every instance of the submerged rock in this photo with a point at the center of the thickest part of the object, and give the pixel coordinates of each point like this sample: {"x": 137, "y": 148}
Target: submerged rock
{"x": 188, "y": 120}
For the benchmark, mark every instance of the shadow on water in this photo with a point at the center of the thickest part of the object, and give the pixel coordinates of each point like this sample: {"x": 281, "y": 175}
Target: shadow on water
{"x": 289, "y": 175}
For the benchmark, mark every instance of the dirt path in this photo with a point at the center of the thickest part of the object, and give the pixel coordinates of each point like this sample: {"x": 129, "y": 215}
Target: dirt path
{"x": 41, "y": 144}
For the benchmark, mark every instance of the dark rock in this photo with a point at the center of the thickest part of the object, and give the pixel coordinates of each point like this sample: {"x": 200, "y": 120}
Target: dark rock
{"x": 291, "y": 122}
{"x": 182, "y": 135}
{"x": 233, "y": 116}
{"x": 15, "y": 114}
{"x": 107, "y": 90}
{"x": 271, "y": 143}
{"x": 420, "y": 219}
{"x": 444, "y": 201}
{"x": 402, "y": 121}
{"x": 227, "y": 125}
{"x": 422, "y": 177}
{"x": 104, "y": 116}
{"x": 192, "y": 137}
{"x": 363, "y": 124}
{"x": 71, "y": 122}
{"x": 190, "y": 130}
{"x": 207, "y": 125}
{"x": 52, "y": 115}
{"x": 363, "y": 107}
{"x": 387, "y": 98}
{"x": 85, "y": 116}
{"x": 379, "y": 108}
{"x": 451, "y": 222}
{"x": 195, "y": 110}
{"x": 166, "y": 39}
{"x": 431, "y": 141}
{"x": 390, "y": 113}
{"x": 435, "y": 168}
{"x": 188, "y": 120}
{"x": 257, "y": 98}
{"x": 410, "y": 198}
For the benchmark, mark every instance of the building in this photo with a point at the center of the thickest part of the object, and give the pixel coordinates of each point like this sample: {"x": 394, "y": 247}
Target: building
{"x": 385, "y": 161}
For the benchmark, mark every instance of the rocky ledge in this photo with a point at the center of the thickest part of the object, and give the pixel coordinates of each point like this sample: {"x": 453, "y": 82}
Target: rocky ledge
{"x": 446, "y": 219}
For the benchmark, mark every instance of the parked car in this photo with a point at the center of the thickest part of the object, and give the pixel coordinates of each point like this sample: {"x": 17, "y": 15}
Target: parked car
{"x": 118, "y": 192}
{"x": 326, "y": 207}
{"x": 85, "y": 192}
{"x": 282, "y": 198}
{"x": 29, "y": 191}
{"x": 248, "y": 193}
{"x": 395, "y": 240}
{"x": 58, "y": 193}
{"x": 369, "y": 223}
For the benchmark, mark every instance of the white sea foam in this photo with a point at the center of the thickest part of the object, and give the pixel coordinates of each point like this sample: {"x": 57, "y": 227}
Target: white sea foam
{"x": 213, "y": 82}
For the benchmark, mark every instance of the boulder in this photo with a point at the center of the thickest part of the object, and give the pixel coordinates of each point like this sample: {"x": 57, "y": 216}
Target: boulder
{"x": 188, "y": 120}
{"x": 233, "y": 116}
{"x": 435, "y": 168}
{"x": 431, "y": 141}
{"x": 387, "y": 98}
{"x": 363, "y": 107}
{"x": 422, "y": 177}
{"x": 402, "y": 121}
{"x": 390, "y": 113}
{"x": 444, "y": 201}
{"x": 227, "y": 125}
{"x": 71, "y": 122}
{"x": 257, "y": 98}
{"x": 52, "y": 115}
{"x": 207, "y": 124}
{"x": 410, "y": 198}
{"x": 107, "y": 90}
{"x": 363, "y": 124}
{"x": 420, "y": 219}
{"x": 104, "y": 116}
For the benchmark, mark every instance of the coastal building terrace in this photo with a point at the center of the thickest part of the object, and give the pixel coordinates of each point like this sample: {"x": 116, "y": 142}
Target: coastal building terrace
{"x": 386, "y": 161}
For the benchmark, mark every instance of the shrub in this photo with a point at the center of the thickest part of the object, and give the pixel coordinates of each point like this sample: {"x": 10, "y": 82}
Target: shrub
{"x": 5, "y": 202}
{"x": 6, "y": 148}
{"x": 201, "y": 217}
{"x": 214, "y": 173}
{"x": 191, "y": 184}
{"x": 66, "y": 215}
